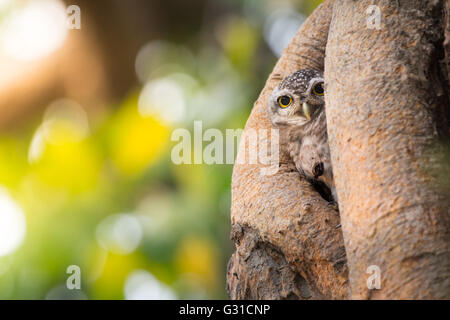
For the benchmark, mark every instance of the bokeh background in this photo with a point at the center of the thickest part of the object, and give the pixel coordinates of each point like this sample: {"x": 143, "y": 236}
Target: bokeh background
{"x": 86, "y": 118}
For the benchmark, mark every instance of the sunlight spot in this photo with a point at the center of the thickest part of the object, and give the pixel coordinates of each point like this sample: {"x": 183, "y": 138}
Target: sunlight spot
{"x": 5, "y": 4}
{"x": 34, "y": 30}
{"x": 163, "y": 98}
{"x": 280, "y": 27}
{"x": 37, "y": 146}
{"x": 65, "y": 121}
{"x": 12, "y": 224}
{"x": 142, "y": 285}
{"x": 120, "y": 233}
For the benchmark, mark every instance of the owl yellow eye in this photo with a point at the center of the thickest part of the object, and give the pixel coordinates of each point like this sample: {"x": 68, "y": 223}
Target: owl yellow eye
{"x": 318, "y": 89}
{"x": 285, "y": 101}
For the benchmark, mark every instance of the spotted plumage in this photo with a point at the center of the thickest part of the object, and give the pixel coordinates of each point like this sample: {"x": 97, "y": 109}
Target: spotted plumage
{"x": 297, "y": 107}
{"x": 299, "y": 81}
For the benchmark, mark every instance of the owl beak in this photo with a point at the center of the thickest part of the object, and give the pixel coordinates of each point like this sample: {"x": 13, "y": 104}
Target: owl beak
{"x": 306, "y": 111}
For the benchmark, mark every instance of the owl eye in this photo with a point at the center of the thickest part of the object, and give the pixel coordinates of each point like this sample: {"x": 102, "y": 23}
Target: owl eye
{"x": 318, "y": 89}
{"x": 285, "y": 101}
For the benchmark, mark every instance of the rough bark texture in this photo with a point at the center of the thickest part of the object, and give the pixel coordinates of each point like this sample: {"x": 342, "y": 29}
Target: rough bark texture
{"x": 287, "y": 246}
{"x": 387, "y": 113}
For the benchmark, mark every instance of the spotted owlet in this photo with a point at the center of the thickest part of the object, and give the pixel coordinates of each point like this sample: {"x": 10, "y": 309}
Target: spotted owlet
{"x": 297, "y": 108}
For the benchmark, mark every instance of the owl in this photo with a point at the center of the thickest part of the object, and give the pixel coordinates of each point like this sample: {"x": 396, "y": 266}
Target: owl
{"x": 297, "y": 107}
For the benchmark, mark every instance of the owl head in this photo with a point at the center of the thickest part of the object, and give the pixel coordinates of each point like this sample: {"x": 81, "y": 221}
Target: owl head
{"x": 298, "y": 98}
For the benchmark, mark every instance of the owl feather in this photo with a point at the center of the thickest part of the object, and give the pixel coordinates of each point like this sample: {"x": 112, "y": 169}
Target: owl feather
{"x": 297, "y": 107}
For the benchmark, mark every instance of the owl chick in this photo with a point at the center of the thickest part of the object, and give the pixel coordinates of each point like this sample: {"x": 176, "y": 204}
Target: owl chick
{"x": 297, "y": 108}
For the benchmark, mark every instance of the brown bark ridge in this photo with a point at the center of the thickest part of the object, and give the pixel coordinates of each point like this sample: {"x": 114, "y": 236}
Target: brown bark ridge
{"x": 287, "y": 246}
{"x": 387, "y": 114}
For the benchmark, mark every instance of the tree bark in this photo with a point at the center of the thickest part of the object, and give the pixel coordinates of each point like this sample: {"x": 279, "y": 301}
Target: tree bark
{"x": 388, "y": 111}
{"x": 287, "y": 246}
{"x": 387, "y": 114}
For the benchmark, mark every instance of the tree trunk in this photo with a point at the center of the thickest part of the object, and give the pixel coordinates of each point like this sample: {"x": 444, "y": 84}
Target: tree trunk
{"x": 388, "y": 111}
{"x": 287, "y": 246}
